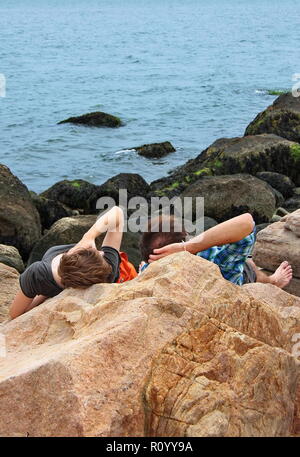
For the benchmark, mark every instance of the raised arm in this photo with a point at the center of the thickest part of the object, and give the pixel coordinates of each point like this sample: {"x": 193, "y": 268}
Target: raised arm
{"x": 112, "y": 222}
{"x": 229, "y": 231}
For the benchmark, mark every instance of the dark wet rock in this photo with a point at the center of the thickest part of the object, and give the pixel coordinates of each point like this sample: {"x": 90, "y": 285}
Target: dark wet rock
{"x": 230, "y": 195}
{"x": 278, "y": 197}
{"x": 135, "y": 185}
{"x": 96, "y": 119}
{"x": 260, "y": 227}
{"x": 71, "y": 229}
{"x": 19, "y": 220}
{"x": 155, "y": 150}
{"x": 9, "y": 255}
{"x": 50, "y": 211}
{"x": 249, "y": 154}
{"x": 209, "y": 222}
{"x": 73, "y": 194}
{"x": 281, "y": 118}
{"x": 292, "y": 204}
{"x": 278, "y": 181}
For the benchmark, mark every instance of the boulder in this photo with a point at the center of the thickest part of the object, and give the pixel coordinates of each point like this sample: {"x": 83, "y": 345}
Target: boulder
{"x": 178, "y": 351}
{"x": 50, "y": 211}
{"x": 230, "y": 195}
{"x": 74, "y": 194}
{"x": 19, "y": 220}
{"x": 281, "y": 183}
{"x": 292, "y": 204}
{"x": 278, "y": 242}
{"x": 9, "y": 286}
{"x": 250, "y": 154}
{"x": 70, "y": 230}
{"x": 281, "y": 118}
{"x": 135, "y": 185}
{"x": 95, "y": 119}
{"x": 155, "y": 150}
{"x": 9, "y": 255}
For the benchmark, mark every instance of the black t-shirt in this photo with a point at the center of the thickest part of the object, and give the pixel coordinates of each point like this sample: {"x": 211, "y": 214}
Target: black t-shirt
{"x": 38, "y": 279}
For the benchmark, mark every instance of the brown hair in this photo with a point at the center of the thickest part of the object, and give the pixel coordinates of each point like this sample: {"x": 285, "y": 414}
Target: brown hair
{"x": 83, "y": 268}
{"x": 155, "y": 237}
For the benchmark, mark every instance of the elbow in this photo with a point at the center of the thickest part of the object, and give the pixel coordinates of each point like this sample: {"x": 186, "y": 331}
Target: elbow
{"x": 249, "y": 223}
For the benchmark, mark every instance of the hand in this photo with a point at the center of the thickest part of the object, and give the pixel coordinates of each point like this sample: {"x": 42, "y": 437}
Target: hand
{"x": 84, "y": 243}
{"x": 166, "y": 250}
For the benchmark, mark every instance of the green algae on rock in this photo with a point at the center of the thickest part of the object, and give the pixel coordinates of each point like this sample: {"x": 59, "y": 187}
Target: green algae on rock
{"x": 95, "y": 119}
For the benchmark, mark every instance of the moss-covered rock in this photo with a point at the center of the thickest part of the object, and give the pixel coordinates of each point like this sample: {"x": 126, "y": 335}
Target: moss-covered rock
{"x": 95, "y": 119}
{"x": 281, "y": 118}
{"x": 19, "y": 220}
{"x": 248, "y": 154}
{"x": 74, "y": 194}
{"x": 228, "y": 196}
{"x": 155, "y": 150}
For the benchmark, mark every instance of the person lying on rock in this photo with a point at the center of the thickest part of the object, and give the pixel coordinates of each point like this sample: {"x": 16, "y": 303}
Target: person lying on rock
{"x": 228, "y": 244}
{"x": 73, "y": 265}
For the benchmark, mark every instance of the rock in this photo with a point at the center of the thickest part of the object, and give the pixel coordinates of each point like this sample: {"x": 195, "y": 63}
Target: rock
{"x": 230, "y": 195}
{"x": 135, "y": 185}
{"x": 292, "y": 204}
{"x": 71, "y": 229}
{"x": 179, "y": 351}
{"x": 281, "y": 118}
{"x": 19, "y": 219}
{"x": 278, "y": 242}
{"x": 9, "y": 286}
{"x": 155, "y": 150}
{"x": 278, "y": 197}
{"x": 73, "y": 194}
{"x": 10, "y": 256}
{"x": 209, "y": 222}
{"x": 96, "y": 119}
{"x": 260, "y": 227}
{"x": 50, "y": 211}
{"x": 281, "y": 183}
{"x": 226, "y": 156}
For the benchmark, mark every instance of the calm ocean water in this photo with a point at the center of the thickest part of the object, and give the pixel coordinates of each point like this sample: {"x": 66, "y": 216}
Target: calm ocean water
{"x": 185, "y": 71}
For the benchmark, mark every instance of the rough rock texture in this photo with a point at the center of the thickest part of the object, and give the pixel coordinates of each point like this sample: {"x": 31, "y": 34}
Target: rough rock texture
{"x": 134, "y": 184}
{"x": 281, "y": 118}
{"x": 281, "y": 183}
{"x": 49, "y": 210}
{"x": 155, "y": 150}
{"x": 10, "y": 256}
{"x": 278, "y": 242}
{"x": 19, "y": 219}
{"x": 250, "y": 154}
{"x": 74, "y": 194}
{"x": 71, "y": 229}
{"x": 178, "y": 351}
{"x": 230, "y": 195}
{"x": 96, "y": 119}
{"x": 9, "y": 286}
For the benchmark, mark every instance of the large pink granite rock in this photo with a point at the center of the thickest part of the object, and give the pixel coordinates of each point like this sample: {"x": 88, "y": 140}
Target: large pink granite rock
{"x": 178, "y": 351}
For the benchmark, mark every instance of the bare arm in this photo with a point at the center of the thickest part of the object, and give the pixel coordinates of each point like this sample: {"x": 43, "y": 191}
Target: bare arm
{"x": 22, "y": 304}
{"x": 112, "y": 222}
{"x": 229, "y": 231}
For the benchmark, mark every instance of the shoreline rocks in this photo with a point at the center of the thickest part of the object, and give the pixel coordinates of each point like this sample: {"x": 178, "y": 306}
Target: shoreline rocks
{"x": 281, "y": 118}
{"x": 155, "y": 150}
{"x": 20, "y": 224}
